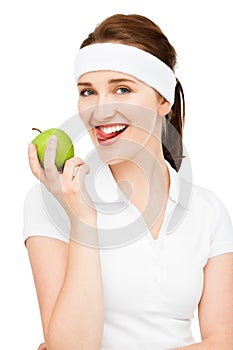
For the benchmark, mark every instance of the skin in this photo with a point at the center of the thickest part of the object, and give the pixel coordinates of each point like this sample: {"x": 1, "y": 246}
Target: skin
{"x": 69, "y": 325}
{"x": 107, "y": 97}
{"x": 215, "y": 314}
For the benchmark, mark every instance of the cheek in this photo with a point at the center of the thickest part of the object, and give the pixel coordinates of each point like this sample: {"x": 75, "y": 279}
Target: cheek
{"x": 139, "y": 136}
{"x": 152, "y": 100}
{"x": 92, "y": 135}
{"x": 81, "y": 105}
{"x": 84, "y": 104}
{"x": 143, "y": 121}
{"x": 85, "y": 113}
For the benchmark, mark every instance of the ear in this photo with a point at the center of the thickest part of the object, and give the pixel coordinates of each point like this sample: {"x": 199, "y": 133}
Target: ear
{"x": 164, "y": 107}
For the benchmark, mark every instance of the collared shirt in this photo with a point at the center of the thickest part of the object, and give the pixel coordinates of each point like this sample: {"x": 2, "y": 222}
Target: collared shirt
{"x": 151, "y": 287}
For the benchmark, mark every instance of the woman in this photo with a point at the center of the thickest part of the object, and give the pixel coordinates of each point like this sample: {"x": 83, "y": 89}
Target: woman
{"x": 172, "y": 241}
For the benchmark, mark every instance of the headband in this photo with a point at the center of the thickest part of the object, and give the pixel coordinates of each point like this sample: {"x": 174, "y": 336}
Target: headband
{"x": 130, "y": 60}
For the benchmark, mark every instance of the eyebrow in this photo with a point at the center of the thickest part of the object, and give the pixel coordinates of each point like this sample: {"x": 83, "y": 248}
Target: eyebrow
{"x": 111, "y": 81}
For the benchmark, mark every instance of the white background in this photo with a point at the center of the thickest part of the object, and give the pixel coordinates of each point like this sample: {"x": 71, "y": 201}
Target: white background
{"x": 39, "y": 41}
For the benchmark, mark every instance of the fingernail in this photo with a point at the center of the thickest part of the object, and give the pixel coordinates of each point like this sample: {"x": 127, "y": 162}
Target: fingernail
{"x": 30, "y": 146}
{"x": 53, "y": 138}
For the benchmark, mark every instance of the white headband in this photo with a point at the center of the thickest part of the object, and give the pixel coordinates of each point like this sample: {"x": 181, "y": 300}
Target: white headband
{"x": 130, "y": 60}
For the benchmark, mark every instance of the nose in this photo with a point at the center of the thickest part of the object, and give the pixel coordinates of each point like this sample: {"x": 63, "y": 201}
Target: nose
{"x": 103, "y": 112}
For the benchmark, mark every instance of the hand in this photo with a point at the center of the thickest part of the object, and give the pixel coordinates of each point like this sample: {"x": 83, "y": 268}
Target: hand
{"x": 42, "y": 346}
{"x": 68, "y": 187}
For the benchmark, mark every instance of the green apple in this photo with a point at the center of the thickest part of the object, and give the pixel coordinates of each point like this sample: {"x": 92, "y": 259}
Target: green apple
{"x": 65, "y": 148}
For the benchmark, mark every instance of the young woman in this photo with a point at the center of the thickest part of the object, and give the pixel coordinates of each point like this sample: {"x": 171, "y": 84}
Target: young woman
{"x": 133, "y": 264}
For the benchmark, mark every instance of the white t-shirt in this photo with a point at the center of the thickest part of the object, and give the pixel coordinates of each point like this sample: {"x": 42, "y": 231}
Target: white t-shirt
{"x": 151, "y": 287}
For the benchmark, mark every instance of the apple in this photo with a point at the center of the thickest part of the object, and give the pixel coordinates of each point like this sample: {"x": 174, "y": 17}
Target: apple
{"x": 65, "y": 148}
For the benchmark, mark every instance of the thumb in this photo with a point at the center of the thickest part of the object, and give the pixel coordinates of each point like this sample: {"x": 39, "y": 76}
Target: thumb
{"x": 84, "y": 169}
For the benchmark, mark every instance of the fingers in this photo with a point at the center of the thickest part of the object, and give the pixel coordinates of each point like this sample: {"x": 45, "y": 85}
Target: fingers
{"x": 42, "y": 346}
{"x": 79, "y": 181}
{"x": 74, "y": 173}
{"x": 81, "y": 174}
{"x": 49, "y": 159}
{"x": 34, "y": 162}
{"x": 68, "y": 187}
{"x": 71, "y": 168}
{"x": 50, "y": 169}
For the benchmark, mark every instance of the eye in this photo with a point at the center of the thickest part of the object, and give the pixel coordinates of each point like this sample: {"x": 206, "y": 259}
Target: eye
{"x": 122, "y": 91}
{"x": 86, "y": 92}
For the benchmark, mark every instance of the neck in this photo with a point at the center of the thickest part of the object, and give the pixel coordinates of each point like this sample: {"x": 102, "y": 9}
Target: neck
{"x": 143, "y": 176}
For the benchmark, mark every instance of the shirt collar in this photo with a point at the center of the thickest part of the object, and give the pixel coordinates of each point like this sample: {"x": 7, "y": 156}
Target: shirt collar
{"x": 174, "y": 183}
{"x": 181, "y": 184}
{"x": 107, "y": 190}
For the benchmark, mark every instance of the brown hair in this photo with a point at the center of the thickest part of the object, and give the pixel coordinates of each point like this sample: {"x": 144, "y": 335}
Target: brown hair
{"x": 139, "y": 31}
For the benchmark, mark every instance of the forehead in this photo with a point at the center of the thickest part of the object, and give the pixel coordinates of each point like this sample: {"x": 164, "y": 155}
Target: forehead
{"x": 105, "y": 75}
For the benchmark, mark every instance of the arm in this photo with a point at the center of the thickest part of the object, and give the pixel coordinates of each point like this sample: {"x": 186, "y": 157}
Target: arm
{"x": 77, "y": 318}
{"x": 215, "y": 309}
{"x": 48, "y": 259}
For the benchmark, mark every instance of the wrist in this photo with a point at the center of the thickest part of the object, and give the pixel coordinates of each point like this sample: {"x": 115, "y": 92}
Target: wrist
{"x": 84, "y": 229}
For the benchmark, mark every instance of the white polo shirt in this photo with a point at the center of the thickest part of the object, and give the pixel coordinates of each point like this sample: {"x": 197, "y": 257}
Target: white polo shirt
{"x": 151, "y": 287}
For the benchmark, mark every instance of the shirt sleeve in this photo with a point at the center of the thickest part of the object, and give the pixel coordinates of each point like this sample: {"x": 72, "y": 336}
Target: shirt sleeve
{"x": 221, "y": 240}
{"x": 44, "y": 216}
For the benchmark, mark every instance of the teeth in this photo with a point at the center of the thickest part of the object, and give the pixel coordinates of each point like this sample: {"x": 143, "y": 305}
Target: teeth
{"x": 112, "y": 129}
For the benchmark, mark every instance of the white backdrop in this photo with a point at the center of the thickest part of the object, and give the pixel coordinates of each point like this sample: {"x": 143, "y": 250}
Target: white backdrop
{"x": 39, "y": 41}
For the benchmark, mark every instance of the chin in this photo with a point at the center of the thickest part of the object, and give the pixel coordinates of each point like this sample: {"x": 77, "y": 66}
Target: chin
{"x": 111, "y": 161}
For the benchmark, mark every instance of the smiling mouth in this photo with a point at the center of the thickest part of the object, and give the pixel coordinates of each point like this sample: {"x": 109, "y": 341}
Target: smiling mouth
{"x": 109, "y": 131}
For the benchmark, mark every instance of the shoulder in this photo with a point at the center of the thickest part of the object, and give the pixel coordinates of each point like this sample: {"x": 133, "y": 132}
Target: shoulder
{"x": 204, "y": 198}
{"x": 214, "y": 219}
{"x": 38, "y": 199}
{"x": 33, "y": 202}
{"x": 33, "y": 191}
{"x": 43, "y": 215}
{"x": 200, "y": 202}
{"x": 33, "y": 196}
{"x": 208, "y": 207}
{"x": 204, "y": 209}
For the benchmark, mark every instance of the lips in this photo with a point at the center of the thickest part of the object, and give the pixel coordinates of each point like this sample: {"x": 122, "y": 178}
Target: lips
{"x": 108, "y": 139}
{"x": 101, "y": 135}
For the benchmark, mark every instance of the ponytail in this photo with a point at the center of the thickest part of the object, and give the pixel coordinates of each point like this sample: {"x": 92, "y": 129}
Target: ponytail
{"x": 173, "y": 130}
{"x": 132, "y": 30}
